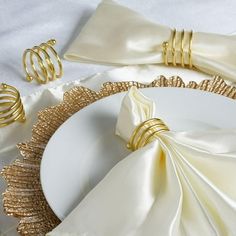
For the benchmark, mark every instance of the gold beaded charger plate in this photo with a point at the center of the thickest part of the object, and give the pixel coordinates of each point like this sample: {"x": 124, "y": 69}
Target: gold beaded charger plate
{"x": 24, "y": 197}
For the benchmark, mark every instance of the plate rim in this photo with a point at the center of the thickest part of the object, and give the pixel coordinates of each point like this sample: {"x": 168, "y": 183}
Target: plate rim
{"x": 44, "y": 160}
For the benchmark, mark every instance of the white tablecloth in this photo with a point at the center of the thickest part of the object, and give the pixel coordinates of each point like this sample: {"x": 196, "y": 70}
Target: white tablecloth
{"x": 24, "y": 24}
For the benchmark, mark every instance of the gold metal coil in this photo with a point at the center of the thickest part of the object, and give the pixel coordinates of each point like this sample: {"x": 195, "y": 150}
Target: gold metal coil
{"x": 146, "y": 132}
{"x": 11, "y": 107}
{"x": 190, "y": 49}
{"x": 170, "y": 50}
{"x": 173, "y": 47}
{"x": 42, "y": 63}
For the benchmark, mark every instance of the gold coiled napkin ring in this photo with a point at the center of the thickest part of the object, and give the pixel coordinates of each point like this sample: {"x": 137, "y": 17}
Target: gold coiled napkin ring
{"x": 178, "y": 50}
{"x": 11, "y": 107}
{"x": 43, "y": 63}
{"x": 146, "y": 132}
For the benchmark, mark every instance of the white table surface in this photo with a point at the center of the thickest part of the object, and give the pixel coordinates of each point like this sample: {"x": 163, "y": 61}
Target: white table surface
{"x": 24, "y": 24}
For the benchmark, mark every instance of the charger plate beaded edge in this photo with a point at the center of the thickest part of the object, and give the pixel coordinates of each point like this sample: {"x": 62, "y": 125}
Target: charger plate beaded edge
{"x": 24, "y": 197}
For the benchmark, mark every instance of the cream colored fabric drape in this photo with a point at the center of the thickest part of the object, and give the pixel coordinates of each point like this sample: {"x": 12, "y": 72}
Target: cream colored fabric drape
{"x": 118, "y": 35}
{"x": 180, "y": 184}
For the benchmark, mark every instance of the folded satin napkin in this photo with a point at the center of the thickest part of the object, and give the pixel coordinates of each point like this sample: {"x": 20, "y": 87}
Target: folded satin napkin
{"x": 118, "y": 35}
{"x": 181, "y": 183}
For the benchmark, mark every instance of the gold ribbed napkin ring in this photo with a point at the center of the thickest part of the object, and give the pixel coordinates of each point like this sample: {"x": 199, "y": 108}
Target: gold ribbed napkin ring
{"x": 41, "y": 63}
{"x": 146, "y": 132}
{"x": 11, "y": 107}
{"x": 170, "y": 50}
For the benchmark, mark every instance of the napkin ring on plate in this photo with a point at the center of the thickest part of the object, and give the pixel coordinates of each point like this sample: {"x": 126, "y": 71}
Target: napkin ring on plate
{"x": 146, "y": 132}
{"x": 41, "y": 63}
{"x": 11, "y": 107}
{"x": 170, "y": 55}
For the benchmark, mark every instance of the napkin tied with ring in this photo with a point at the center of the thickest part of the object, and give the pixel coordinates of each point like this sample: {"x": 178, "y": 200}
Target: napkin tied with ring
{"x": 117, "y": 35}
{"x": 173, "y": 183}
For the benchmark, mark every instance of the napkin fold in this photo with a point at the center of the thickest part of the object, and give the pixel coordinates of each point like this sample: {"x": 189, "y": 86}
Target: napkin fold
{"x": 179, "y": 184}
{"x": 117, "y": 35}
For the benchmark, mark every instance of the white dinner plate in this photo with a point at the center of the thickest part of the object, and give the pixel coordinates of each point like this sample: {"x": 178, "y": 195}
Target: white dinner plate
{"x": 85, "y": 147}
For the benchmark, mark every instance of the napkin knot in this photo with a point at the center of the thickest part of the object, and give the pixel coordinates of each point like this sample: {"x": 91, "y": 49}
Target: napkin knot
{"x": 146, "y": 132}
{"x": 178, "y": 50}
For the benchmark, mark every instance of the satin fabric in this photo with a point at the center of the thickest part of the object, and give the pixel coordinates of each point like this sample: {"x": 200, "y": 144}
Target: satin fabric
{"x": 180, "y": 184}
{"x": 18, "y": 132}
{"x": 118, "y": 35}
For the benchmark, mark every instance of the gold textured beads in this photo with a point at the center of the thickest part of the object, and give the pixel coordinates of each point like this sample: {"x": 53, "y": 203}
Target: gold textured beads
{"x": 174, "y": 51}
{"x": 42, "y": 63}
{"x": 11, "y": 107}
{"x": 146, "y": 132}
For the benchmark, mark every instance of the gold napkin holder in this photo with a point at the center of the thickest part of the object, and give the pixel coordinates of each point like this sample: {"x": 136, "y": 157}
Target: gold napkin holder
{"x": 170, "y": 49}
{"x": 146, "y": 132}
{"x": 40, "y": 62}
{"x": 11, "y": 107}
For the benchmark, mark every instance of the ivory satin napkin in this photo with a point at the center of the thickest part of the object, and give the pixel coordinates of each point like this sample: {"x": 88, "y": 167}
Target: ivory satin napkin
{"x": 118, "y": 35}
{"x": 182, "y": 183}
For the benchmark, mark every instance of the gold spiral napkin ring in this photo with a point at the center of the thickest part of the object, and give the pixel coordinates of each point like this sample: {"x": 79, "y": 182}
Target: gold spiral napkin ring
{"x": 11, "y": 107}
{"x": 42, "y": 60}
{"x": 169, "y": 49}
{"x": 146, "y": 132}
